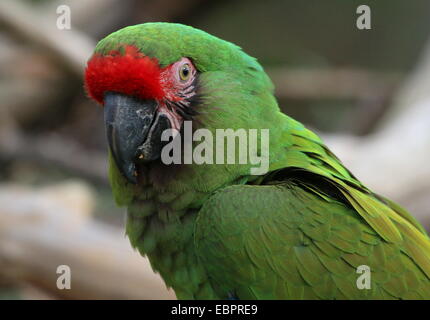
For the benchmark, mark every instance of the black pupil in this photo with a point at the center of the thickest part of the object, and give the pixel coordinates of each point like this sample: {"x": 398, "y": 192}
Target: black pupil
{"x": 185, "y": 71}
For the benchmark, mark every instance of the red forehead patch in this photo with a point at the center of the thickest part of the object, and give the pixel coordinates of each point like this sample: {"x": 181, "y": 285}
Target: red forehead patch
{"x": 130, "y": 72}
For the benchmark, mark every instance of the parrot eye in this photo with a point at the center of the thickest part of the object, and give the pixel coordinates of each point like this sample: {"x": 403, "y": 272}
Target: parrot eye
{"x": 185, "y": 72}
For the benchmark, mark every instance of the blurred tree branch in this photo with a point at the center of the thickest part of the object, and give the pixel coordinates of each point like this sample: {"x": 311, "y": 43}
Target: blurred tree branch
{"x": 53, "y": 150}
{"x": 52, "y": 226}
{"x": 393, "y": 160}
{"x": 71, "y": 48}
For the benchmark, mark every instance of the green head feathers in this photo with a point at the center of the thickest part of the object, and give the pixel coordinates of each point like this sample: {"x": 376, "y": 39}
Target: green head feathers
{"x": 168, "y": 42}
{"x": 231, "y": 88}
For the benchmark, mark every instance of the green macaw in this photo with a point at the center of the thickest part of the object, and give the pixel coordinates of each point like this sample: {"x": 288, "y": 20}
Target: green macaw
{"x": 217, "y": 231}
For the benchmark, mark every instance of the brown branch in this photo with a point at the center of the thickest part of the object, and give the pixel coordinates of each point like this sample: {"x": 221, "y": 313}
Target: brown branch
{"x": 54, "y": 150}
{"x": 70, "y": 48}
{"x": 45, "y": 228}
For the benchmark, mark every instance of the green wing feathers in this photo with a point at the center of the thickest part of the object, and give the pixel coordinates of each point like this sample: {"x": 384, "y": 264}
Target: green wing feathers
{"x": 389, "y": 220}
{"x": 306, "y": 245}
{"x": 305, "y": 231}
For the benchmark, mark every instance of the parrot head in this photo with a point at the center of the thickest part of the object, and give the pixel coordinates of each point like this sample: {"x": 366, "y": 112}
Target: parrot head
{"x": 154, "y": 76}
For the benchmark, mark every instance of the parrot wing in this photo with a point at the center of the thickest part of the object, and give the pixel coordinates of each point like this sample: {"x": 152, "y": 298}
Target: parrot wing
{"x": 291, "y": 240}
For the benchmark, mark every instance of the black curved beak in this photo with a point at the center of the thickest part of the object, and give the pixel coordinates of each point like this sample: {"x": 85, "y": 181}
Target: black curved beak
{"x": 133, "y": 130}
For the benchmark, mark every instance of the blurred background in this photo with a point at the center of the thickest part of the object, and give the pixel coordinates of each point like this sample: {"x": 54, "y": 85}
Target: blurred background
{"x": 366, "y": 92}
